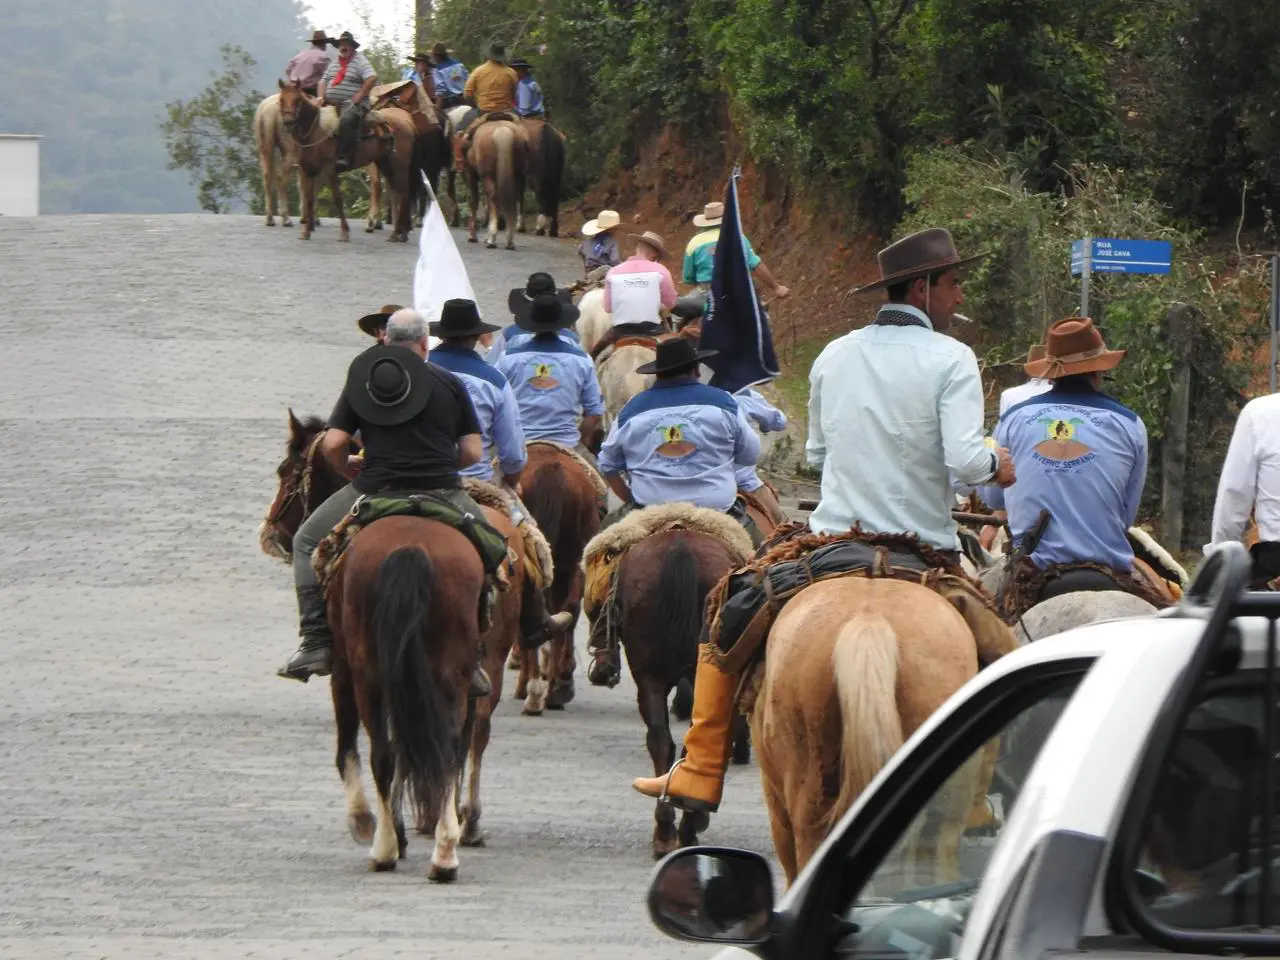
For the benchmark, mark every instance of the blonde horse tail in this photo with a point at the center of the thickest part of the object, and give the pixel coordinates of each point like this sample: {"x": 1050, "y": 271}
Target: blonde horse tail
{"x": 865, "y": 662}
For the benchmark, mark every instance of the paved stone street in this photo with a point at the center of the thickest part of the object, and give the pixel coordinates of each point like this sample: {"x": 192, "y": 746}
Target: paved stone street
{"x": 164, "y": 794}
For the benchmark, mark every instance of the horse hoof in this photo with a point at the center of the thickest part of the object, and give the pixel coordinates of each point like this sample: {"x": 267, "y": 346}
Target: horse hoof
{"x": 741, "y": 754}
{"x": 286, "y": 223}
{"x": 473, "y": 838}
{"x": 369, "y": 229}
{"x": 540, "y": 232}
{"x": 361, "y": 827}
{"x": 270, "y": 222}
{"x": 377, "y": 226}
{"x": 663, "y": 847}
{"x": 344, "y": 238}
{"x": 305, "y": 235}
{"x": 437, "y": 874}
{"x": 490, "y": 245}
{"x": 376, "y": 866}
{"x": 532, "y": 712}
{"x": 472, "y": 240}
{"x": 511, "y": 246}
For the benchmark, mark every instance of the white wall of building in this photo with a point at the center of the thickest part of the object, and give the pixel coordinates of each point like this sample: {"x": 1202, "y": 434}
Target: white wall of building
{"x": 19, "y": 175}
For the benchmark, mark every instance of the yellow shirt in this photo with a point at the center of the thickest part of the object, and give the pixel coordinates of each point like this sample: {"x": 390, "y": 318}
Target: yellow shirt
{"x": 493, "y": 87}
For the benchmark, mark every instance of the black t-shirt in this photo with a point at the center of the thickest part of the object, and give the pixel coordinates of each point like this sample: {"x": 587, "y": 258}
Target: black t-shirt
{"x": 421, "y": 454}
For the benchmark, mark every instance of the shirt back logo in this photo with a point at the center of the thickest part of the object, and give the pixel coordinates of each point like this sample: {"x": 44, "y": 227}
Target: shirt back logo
{"x": 674, "y": 445}
{"x": 1061, "y": 444}
{"x": 543, "y": 378}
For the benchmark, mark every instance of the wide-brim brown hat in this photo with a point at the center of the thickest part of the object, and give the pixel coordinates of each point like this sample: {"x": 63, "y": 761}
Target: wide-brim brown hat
{"x": 918, "y": 255}
{"x": 675, "y": 353}
{"x": 370, "y": 322}
{"x": 1035, "y": 352}
{"x": 319, "y": 36}
{"x": 1073, "y": 346}
{"x": 460, "y": 318}
{"x": 653, "y": 240}
{"x": 387, "y": 385}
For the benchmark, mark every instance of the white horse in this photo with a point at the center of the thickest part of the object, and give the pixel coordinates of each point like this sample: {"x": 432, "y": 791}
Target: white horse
{"x": 278, "y": 157}
{"x": 593, "y": 320}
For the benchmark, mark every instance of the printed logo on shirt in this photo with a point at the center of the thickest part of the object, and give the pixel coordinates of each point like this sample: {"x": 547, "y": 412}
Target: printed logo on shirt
{"x": 543, "y": 377}
{"x": 674, "y": 445}
{"x": 1061, "y": 446}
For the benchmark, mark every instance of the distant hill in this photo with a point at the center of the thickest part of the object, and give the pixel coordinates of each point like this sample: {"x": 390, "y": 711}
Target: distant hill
{"x": 92, "y": 76}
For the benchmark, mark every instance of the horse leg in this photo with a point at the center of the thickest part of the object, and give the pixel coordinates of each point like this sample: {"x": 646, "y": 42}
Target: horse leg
{"x": 444, "y": 857}
{"x": 652, "y": 699}
{"x": 282, "y": 189}
{"x": 741, "y": 741}
{"x": 472, "y": 835}
{"x": 455, "y": 218}
{"x": 682, "y": 702}
{"x": 335, "y": 190}
{"x": 360, "y": 822}
{"x": 473, "y": 194}
{"x": 267, "y": 161}
{"x": 531, "y": 687}
{"x": 397, "y": 808}
{"x": 375, "y": 199}
{"x": 386, "y": 845}
{"x": 491, "y": 201}
{"x": 308, "y": 190}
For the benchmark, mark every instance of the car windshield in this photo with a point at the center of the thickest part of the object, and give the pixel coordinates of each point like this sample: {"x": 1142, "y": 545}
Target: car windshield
{"x": 917, "y": 901}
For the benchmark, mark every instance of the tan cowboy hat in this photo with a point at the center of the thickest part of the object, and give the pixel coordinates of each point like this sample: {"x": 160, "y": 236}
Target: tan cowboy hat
{"x": 923, "y": 253}
{"x": 710, "y": 216}
{"x": 607, "y": 220}
{"x": 1072, "y": 346}
{"x": 651, "y": 239}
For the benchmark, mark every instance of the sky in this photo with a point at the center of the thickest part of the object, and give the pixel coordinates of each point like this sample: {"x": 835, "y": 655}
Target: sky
{"x": 391, "y": 17}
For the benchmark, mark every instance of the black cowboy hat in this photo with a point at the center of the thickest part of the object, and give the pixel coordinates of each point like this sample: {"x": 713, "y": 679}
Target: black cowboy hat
{"x": 520, "y": 63}
{"x": 419, "y": 56}
{"x": 370, "y": 322}
{"x": 546, "y": 313}
{"x": 460, "y": 318}
{"x": 346, "y": 37}
{"x": 675, "y": 353}
{"x": 520, "y": 300}
{"x": 387, "y": 385}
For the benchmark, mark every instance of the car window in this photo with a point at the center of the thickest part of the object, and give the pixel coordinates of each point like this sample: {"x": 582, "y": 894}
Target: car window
{"x": 917, "y": 900}
{"x": 1202, "y": 850}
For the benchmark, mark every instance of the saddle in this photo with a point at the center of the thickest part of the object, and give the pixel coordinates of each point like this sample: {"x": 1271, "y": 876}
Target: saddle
{"x": 539, "y": 567}
{"x": 1027, "y": 583}
{"x": 631, "y": 340}
{"x": 412, "y": 99}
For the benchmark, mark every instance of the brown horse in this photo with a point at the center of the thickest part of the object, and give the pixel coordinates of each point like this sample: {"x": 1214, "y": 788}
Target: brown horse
{"x": 853, "y": 667}
{"x": 498, "y": 157}
{"x": 305, "y": 481}
{"x": 391, "y": 149}
{"x": 430, "y": 146}
{"x": 546, "y": 174}
{"x": 561, "y": 496}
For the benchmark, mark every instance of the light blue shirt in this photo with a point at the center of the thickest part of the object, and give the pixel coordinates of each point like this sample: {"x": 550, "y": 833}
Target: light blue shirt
{"x": 450, "y": 77}
{"x": 528, "y": 97}
{"x": 894, "y": 412}
{"x": 555, "y": 385}
{"x": 411, "y": 73}
{"x": 1082, "y": 456}
{"x": 512, "y": 335}
{"x": 768, "y": 418}
{"x": 496, "y": 409}
{"x": 680, "y": 440}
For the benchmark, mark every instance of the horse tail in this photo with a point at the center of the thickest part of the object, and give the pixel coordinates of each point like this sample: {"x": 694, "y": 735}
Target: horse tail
{"x": 546, "y": 499}
{"x": 421, "y": 706}
{"x": 505, "y": 145}
{"x": 552, "y": 149}
{"x": 865, "y": 662}
{"x": 680, "y": 615}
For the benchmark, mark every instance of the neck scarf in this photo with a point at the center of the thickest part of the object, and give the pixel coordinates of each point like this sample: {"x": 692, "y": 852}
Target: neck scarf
{"x": 342, "y": 69}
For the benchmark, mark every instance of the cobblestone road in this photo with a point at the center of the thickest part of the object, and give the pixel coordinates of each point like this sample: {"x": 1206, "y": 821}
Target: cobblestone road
{"x": 163, "y": 793}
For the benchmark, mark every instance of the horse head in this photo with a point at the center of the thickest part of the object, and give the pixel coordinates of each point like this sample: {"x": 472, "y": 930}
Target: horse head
{"x": 293, "y": 104}
{"x": 304, "y": 482}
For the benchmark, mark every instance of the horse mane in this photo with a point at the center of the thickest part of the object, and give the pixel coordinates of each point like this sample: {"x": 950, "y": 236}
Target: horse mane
{"x": 310, "y": 427}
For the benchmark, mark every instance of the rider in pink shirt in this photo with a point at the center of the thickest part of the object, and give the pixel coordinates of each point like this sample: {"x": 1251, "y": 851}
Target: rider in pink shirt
{"x": 635, "y": 291}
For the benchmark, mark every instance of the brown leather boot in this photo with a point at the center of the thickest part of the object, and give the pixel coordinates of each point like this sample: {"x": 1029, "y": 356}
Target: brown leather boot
{"x": 697, "y": 781}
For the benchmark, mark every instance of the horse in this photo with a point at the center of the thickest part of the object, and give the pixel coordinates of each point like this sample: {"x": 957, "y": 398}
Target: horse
{"x": 497, "y": 157}
{"x": 560, "y": 493}
{"x": 430, "y": 146}
{"x": 853, "y": 667}
{"x": 593, "y": 320}
{"x": 277, "y": 156}
{"x": 305, "y": 480}
{"x": 315, "y": 129}
{"x": 546, "y": 174}
{"x": 619, "y": 381}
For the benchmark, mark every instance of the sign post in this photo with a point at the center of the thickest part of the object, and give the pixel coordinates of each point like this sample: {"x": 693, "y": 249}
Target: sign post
{"x": 1090, "y": 256}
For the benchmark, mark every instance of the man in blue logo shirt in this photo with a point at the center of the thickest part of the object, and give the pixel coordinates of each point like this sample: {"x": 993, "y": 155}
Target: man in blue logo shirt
{"x": 528, "y": 94}
{"x": 450, "y": 78}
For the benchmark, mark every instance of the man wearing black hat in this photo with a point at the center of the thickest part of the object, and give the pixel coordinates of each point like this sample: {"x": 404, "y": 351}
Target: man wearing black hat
{"x": 529, "y": 102}
{"x": 678, "y": 441}
{"x": 418, "y": 427}
{"x": 519, "y": 300}
{"x": 346, "y": 85}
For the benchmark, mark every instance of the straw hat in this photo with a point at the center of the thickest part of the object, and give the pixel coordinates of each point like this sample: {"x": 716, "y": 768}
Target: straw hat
{"x": 711, "y": 216}
{"x": 923, "y": 253}
{"x": 607, "y": 220}
{"x": 653, "y": 240}
{"x": 1073, "y": 346}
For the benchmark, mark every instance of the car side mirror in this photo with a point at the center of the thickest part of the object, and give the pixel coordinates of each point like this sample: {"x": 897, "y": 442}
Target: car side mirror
{"x": 713, "y": 895}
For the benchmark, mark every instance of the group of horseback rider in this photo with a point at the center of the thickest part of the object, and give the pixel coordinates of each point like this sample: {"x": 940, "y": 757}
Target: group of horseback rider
{"x": 896, "y": 415}
{"x": 495, "y": 90}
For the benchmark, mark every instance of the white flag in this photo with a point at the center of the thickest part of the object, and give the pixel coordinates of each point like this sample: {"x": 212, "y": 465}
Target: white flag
{"x": 439, "y": 274}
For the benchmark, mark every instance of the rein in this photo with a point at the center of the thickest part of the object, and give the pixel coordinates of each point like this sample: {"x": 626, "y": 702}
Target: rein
{"x": 302, "y": 480}
{"x": 312, "y": 129}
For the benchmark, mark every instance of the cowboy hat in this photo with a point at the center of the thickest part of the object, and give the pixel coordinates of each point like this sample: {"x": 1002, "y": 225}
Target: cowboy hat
{"x": 319, "y": 36}
{"x": 418, "y": 57}
{"x": 520, "y": 63}
{"x": 675, "y": 353}
{"x": 607, "y": 220}
{"x": 653, "y": 240}
{"x": 346, "y": 37}
{"x": 547, "y": 313}
{"x": 1073, "y": 346}
{"x": 387, "y": 385}
{"x": 370, "y": 322}
{"x": 460, "y": 318}
{"x": 918, "y": 255}
{"x": 520, "y": 299}
{"x": 711, "y": 216}
{"x": 1035, "y": 352}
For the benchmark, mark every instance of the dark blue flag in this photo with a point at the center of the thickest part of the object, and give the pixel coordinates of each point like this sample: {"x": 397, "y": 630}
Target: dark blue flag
{"x": 735, "y": 323}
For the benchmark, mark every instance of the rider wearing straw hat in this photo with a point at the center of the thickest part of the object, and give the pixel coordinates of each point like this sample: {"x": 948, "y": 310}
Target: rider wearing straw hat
{"x": 700, "y": 254}
{"x": 599, "y": 251}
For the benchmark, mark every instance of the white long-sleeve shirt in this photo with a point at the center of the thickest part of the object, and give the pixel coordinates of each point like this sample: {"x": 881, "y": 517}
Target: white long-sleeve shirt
{"x": 1250, "y": 476}
{"x": 894, "y": 413}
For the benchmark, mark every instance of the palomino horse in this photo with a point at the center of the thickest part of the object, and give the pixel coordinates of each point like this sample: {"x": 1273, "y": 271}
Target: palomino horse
{"x": 853, "y": 667}
{"x": 619, "y": 381}
{"x": 315, "y": 130}
{"x": 546, "y": 174}
{"x": 305, "y": 481}
{"x": 497, "y": 158}
{"x": 593, "y": 319}
{"x": 562, "y": 497}
{"x": 278, "y": 157}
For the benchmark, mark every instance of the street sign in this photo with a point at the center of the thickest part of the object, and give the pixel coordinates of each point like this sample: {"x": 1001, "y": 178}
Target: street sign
{"x": 1122, "y": 256}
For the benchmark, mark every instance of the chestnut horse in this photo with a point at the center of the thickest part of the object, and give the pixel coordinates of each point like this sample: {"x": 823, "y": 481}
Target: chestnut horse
{"x": 315, "y": 131}
{"x": 305, "y": 481}
{"x": 853, "y": 667}
{"x": 498, "y": 158}
{"x": 561, "y": 496}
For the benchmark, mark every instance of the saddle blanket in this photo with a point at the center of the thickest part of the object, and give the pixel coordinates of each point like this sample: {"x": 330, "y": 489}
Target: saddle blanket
{"x": 1027, "y": 582}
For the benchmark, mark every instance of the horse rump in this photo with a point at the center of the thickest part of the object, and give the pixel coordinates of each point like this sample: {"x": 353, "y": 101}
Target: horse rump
{"x": 422, "y": 707}
{"x": 551, "y": 177}
{"x": 679, "y": 620}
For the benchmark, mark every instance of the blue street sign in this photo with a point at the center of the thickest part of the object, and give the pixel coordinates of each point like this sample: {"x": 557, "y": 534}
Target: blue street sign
{"x": 1123, "y": 256}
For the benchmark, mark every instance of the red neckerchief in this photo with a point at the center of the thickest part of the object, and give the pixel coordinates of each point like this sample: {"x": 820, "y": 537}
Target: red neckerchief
{"x": 342, "y": 69}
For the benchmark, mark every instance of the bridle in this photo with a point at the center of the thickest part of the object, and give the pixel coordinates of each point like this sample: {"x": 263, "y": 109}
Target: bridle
{"x": 289, "y": 124}
{"x": 299, "y": 487}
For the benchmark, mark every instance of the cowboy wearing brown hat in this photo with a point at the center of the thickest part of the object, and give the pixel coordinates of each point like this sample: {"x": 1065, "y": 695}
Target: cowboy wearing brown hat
{"x": 308, "y": 66}
{"x": 1082, "y": 456}
{"x": 895, "y": 413}
{"x": 636, "y": 292}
